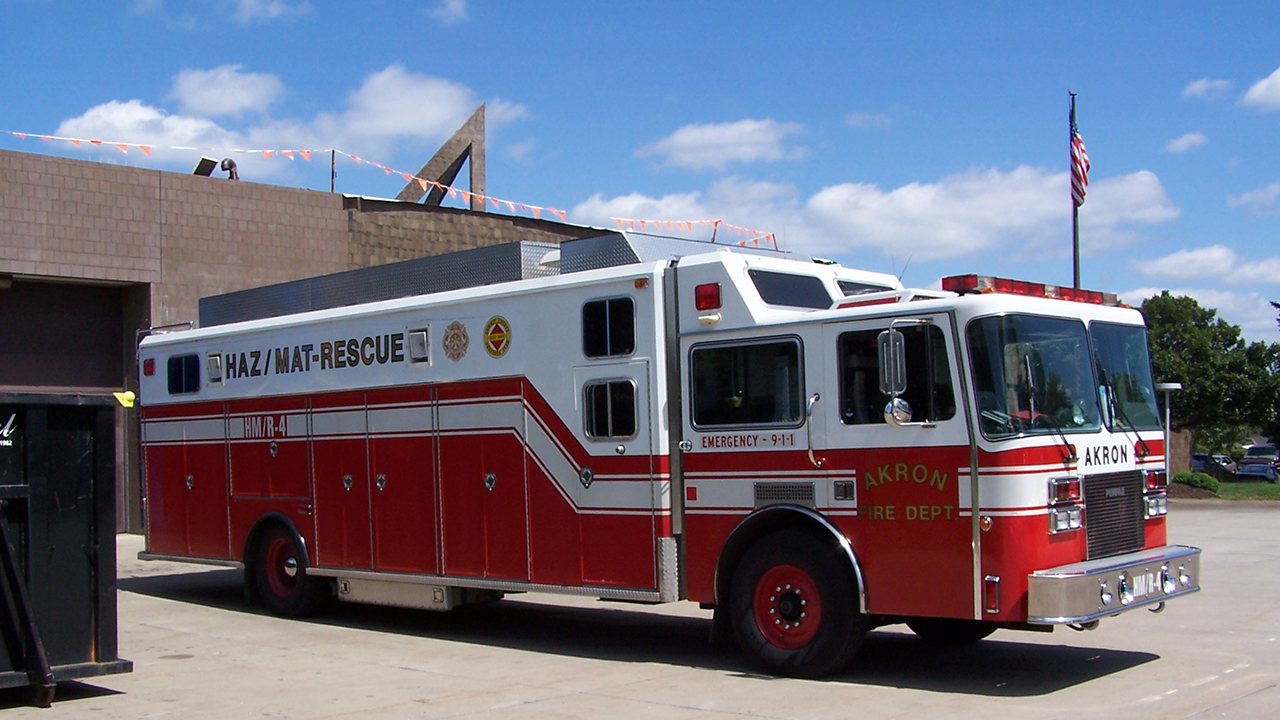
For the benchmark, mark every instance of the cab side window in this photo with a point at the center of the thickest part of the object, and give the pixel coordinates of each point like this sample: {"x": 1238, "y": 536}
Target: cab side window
{"x": 748, "y": 384}
{"x": 929, "y": 390}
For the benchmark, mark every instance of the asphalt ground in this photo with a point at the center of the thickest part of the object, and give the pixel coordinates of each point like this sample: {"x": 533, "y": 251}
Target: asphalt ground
{"x": 200, "y": 652}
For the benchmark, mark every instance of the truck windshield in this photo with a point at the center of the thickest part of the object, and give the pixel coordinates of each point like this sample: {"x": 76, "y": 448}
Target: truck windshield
{"x": 1124, "y": 377}
{"x": 1032, "y": 375}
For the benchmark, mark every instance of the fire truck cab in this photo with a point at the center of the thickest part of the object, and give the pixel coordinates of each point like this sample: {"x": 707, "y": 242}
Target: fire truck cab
{"x": 812, "y": 450}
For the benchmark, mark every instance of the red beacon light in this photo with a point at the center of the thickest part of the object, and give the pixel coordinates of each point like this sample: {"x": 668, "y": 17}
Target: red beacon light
{"x": 964, "y": 284}
{"x": 706, "y": 297}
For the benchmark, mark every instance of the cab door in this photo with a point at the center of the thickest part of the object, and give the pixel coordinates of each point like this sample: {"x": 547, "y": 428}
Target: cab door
{"x": 906, "y": 503}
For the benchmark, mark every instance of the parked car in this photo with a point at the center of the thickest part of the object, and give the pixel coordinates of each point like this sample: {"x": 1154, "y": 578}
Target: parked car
{"x": 1206, "y": 463}
{"x": 1259, "y": 461}
{"x": 1226, "y": 462}
{"x": 1266, "y": 471}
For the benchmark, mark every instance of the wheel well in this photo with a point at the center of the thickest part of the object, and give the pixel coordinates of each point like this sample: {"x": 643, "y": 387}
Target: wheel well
{"x": 783, "y": 517}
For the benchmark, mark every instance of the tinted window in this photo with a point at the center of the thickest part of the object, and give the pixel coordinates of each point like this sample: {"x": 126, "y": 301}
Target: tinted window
{"x": 609, "y": 327}
{"x": 184, "y": 374}
{"x": 610, "y": 409}
{"x": 849, "y": 287}
{"x": 929, "y": 390}
{"x": 804, "y": 291}
{"x": 756, "y": 384}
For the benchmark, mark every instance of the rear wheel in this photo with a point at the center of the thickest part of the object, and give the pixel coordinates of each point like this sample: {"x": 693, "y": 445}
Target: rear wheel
{"x": 280, "y": 574}
{"x": 793, "y": 606}
{"x": 945, "y": 631}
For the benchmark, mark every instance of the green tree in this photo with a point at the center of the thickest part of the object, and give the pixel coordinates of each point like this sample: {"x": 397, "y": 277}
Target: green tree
{"x": 1230, "y": 389}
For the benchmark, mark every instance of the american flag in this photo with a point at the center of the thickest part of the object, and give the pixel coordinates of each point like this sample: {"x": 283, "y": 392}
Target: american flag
{"x": 1079, "y": 165}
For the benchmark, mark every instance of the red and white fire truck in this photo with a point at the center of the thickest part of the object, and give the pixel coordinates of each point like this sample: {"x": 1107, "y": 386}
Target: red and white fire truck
{"x": 812, "y": 450}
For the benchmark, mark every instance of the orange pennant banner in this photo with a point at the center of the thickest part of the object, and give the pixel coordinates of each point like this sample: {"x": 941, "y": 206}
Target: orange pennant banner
{"x": 146, "y": 150}
{"x": 306, "y": 155}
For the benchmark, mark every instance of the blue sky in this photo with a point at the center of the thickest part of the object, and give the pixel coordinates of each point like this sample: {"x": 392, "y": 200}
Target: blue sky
{"x": 926, "y": 139}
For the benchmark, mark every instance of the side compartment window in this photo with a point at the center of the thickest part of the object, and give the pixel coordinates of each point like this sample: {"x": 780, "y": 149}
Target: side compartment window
{"x": 803, "y": 291}
{"x": 752, "y": 384}
{"x": 610, "y": 409}
{"x": 609, "y": 327}
{"x": 184, "y": 374}
{"x": 929, "y": 391}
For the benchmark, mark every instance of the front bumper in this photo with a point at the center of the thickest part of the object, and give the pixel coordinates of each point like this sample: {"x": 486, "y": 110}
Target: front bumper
{"x": 1086, "y": 591}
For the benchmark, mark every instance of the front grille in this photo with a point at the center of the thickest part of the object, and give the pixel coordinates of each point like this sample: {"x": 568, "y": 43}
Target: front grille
{"x": 1113, "y": 513}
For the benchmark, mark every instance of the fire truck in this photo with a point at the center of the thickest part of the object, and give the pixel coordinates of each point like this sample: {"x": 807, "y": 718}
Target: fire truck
{"x": 811, "y": 450}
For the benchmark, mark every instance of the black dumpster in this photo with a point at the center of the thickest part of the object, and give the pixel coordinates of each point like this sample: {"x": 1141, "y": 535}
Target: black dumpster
{"x": 57, "y": 523}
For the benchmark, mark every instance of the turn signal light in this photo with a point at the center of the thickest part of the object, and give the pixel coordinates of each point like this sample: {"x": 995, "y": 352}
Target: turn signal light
{"x": 1064, "y": 491}
{"x": 707, "y": 297}
{"x": 1156, "y": 479}
{"x": 149, "y": 367}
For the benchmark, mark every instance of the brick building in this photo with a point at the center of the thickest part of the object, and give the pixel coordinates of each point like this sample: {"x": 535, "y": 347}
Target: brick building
{"x": 93, "y": 254}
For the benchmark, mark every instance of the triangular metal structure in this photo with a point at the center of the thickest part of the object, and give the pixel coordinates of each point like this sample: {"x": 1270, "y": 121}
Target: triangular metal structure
{"x": 466, "y": 144}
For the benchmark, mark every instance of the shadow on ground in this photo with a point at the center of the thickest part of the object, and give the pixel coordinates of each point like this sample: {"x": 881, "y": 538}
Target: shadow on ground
{"x": 1000, "y": 666}
{"x": 66, "y": 692}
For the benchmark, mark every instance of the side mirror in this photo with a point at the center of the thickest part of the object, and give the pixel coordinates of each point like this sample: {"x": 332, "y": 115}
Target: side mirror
{"x": 893, "y": 365}
{"x": 898, "y": 412}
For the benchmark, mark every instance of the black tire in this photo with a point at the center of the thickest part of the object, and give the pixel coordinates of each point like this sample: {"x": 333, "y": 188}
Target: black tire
{"x": 280, "y": 575}
{"x": 807, "y": 624}
{"x": 943, "y": 631}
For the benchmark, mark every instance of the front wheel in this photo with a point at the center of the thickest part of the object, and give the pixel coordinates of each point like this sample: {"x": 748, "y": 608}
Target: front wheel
{"x": 794, "y": 608}
{"x": 280, "y": 575}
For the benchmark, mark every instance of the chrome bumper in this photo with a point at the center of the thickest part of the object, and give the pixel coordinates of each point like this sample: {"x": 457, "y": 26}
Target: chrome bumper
{"x": 1086, "y": 591}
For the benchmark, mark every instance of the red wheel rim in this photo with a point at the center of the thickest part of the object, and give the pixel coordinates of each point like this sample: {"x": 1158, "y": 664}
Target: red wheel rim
{"x": 787, "y": 607}
{"x": 280, "y": 560}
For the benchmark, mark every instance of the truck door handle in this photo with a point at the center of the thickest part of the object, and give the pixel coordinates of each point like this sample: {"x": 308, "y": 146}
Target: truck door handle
{"x": 808, "y": 428}
{"x": 381, "y": 481}
{"x": 346, "y": 482}
{"x": 490, "y": 479}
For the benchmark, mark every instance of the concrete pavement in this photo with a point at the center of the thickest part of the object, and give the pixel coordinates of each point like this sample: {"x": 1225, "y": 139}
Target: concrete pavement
{"x": 199, "y": 651}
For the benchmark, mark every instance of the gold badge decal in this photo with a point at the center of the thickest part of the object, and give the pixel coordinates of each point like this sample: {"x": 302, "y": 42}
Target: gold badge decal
{"x": 497, "y": 336}
{"x": 455, "y": 341}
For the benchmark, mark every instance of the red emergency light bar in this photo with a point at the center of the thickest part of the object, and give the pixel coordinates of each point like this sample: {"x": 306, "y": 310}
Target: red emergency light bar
{"x": 988, "y": 284}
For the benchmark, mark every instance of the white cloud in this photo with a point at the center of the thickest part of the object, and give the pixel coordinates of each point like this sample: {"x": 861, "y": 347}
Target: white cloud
{"x": 449, "y": 12}
{"x": 1186, "y": 142}
{"x": 714, "y": 146}
{"x": 393, "y": 109}
{"x": 521, "y": 151}
{"x": 1215, "y": 262}
{"x": 249, "y": 10}
{"x": 983, "y": 210}
{"x": 1206, "y": 89}
{"x": 1261, "y": 201}
{"x": 1265, "y": 94}
{"x": 1251, "y": 311}
{"x": 868, "y": 120}
{"x": 132, "y": 121}
{"x": 224, "y": 91}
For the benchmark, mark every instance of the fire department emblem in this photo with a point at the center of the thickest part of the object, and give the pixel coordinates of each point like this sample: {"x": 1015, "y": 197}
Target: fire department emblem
{"x": 497, "y": 336}
{"x": 455, "y": 341}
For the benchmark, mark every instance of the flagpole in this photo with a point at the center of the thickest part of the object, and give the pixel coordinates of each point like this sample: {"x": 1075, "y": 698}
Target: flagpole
{"x": 1075, "y": 209}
